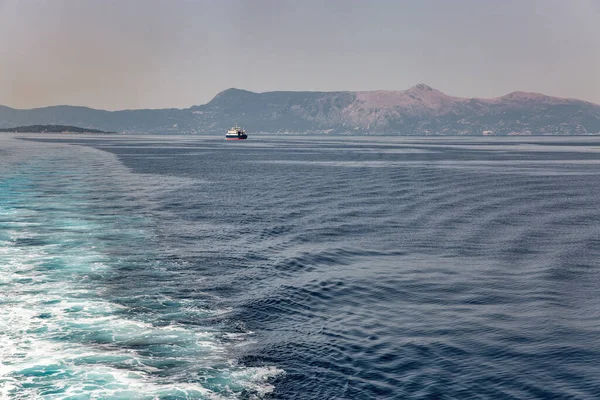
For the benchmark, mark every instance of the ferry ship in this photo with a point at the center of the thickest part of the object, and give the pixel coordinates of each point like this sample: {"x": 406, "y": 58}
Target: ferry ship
{"x": 236, "y": 133}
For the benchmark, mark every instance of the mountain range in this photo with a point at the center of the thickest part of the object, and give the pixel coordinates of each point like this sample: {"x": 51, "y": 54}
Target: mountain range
{"x": 420, "y": 110}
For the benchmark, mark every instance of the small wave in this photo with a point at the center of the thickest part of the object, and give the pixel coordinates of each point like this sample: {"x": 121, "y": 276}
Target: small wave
{"x": 64, "y": 333}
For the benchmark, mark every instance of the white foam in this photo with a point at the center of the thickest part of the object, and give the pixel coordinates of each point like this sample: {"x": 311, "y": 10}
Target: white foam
{"x": 58, "y": 332}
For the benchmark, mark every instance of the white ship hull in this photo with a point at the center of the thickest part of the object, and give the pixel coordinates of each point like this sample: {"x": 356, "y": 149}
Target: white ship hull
{"x": 236, "y": 134}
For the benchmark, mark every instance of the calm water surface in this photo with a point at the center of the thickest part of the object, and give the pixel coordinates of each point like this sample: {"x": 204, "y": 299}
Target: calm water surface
{"x": 143, "y": 267}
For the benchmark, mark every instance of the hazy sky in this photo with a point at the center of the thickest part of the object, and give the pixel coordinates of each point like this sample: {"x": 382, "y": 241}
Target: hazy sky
{"x": 116, "y": 54}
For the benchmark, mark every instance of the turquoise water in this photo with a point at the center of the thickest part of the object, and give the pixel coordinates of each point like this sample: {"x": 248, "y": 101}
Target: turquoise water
{"x": 160, "y": 267}
{"x": 71, "y": 222}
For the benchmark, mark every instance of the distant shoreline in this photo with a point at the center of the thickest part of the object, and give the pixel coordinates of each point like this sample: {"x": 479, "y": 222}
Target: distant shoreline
{"x": 418, "y": 111}
{"x": 51, "y": 129}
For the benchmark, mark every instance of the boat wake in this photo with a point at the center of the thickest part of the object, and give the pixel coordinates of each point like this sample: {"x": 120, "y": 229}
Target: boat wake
{"x": 64, "y": 240}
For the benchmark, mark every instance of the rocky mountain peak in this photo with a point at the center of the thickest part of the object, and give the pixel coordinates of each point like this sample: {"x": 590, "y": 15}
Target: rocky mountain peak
{"x": 423, "y": 88}
{"x": 420, "y": 110}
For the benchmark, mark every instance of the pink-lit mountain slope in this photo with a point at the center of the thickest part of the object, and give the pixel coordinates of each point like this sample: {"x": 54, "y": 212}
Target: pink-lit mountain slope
{"x": 419, "y": 110}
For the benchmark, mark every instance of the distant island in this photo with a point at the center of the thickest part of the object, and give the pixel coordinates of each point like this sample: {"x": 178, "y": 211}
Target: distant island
{"x": 418, "y": 111}
{"x": 51, "y": 129}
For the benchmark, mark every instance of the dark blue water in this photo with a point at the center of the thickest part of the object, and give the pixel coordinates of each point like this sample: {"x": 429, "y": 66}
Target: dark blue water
{"x": 299, "y": 268}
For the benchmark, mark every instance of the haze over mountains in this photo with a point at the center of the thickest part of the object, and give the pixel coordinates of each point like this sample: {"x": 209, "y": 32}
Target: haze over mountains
{"x": 420, "y": 110}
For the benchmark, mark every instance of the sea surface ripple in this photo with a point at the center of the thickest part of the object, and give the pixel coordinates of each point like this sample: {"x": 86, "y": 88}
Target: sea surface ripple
{"x": 299, "y": 267}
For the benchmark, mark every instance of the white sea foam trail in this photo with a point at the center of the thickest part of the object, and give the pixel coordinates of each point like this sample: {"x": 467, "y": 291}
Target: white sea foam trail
{"x": 67, "y": 230}
{"x": 366, "y": 268}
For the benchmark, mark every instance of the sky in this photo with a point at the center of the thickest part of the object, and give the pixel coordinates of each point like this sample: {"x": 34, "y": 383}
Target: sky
{"x": 123, "y": 54}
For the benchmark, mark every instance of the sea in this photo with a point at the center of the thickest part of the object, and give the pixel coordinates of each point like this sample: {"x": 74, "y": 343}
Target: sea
{"x": 299, "y": 267}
